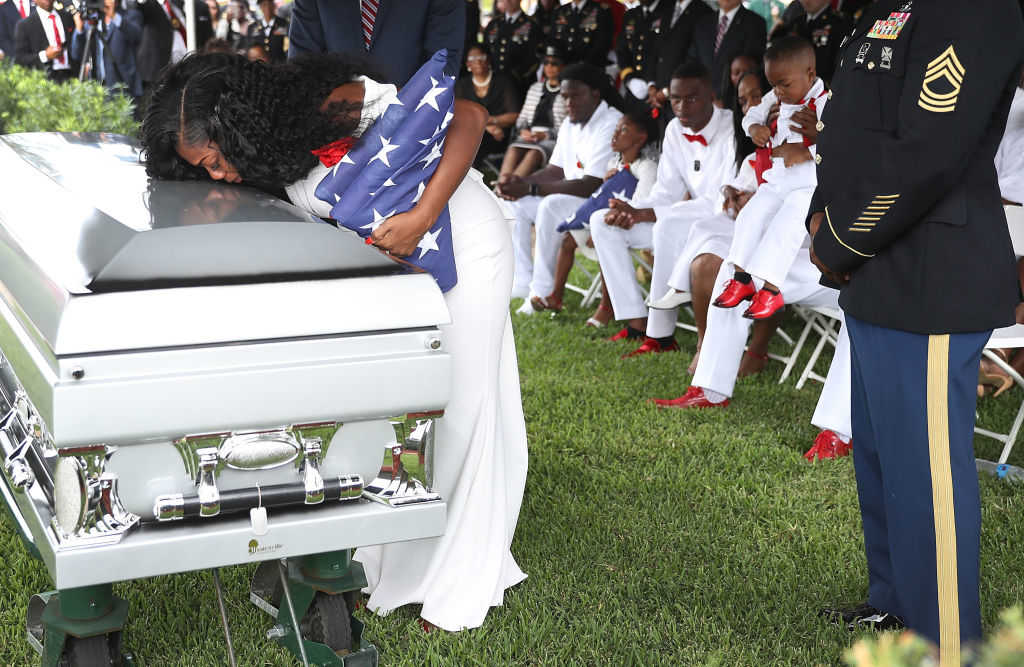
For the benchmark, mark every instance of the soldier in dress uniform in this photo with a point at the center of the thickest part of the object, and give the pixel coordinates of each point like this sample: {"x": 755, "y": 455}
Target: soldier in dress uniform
{"x": 270, "y": 31}
{"x": 817, "y": 22}
{"x": 513, "y": 40}
{"x": 583, "y": 30}
{"x": 637, "y": 48}
{"x": 544, "y": 16}
{"x": 907, "y": 220}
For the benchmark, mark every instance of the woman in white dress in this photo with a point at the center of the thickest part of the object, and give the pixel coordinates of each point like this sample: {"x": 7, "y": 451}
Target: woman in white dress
{"x": 220, "y": 117}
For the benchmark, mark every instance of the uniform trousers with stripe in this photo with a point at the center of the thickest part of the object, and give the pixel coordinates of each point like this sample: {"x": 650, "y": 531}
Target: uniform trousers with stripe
{"x": 914, "y": 398}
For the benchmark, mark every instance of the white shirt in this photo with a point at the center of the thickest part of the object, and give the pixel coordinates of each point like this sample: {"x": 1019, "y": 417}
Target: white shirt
{"x": 729, "y": 16}
{"x": 811, "y": 17}
{"x": 690, "y": 168}
{"x": 51, "y": 37}
{"x": 745, "y": 179}
{"x": 645, "y": 169}
{"x": 583, "y": 149}
{"x": 758, "y": 115}
{"x": 512, "y": 17}
{"x": 680, "y": 7}
{"x": 1010, "y": 156}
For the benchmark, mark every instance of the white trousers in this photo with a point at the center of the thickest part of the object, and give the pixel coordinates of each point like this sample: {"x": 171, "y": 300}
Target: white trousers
{"x": 666, "y": 238}
{"x": 545, "y": 213}
{"x": 726, "y": 336}
{"x": 711, "y": 236}
{"x": 612, "y": 245}
{"x": 769, "y": 233}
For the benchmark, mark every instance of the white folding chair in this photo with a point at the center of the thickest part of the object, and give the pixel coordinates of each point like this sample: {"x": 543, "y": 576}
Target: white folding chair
{"x": 826, "y": 324}
{"x": 592, "y": 292}
{"x": 1008, "y": 337}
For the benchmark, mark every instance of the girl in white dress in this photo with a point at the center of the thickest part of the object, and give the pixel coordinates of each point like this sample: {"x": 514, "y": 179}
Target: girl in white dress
{"x": 221, "y": 117}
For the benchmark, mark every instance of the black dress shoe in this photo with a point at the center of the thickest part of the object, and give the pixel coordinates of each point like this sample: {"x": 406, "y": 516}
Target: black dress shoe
{"x": 862, "y": 616}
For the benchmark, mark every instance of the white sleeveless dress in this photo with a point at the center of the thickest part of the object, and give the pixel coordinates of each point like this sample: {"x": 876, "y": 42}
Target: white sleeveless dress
{"x": 481, "y": 456}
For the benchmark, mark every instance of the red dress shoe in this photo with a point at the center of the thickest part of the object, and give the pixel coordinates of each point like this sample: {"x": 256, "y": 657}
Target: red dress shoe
{"x": 764, "y": 305}
{"x": 693, "y": 398}
{"x": 734, "y": 294}
{"x": 651, "y": 345}
{"x": 828, "y": 446}
{"x": 624, "y": 334}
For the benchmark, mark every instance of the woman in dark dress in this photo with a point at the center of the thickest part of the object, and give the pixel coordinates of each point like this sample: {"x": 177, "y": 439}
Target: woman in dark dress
{"x": 495, "y": 92}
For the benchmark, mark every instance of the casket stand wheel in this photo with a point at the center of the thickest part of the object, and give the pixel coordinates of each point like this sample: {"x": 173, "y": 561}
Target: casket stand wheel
{"x": 324, "y": 588}
{"x": 78, "y": 627}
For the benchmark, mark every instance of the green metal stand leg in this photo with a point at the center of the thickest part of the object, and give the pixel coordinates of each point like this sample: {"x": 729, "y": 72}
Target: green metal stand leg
{"x": 79, "y": 612}
{"x": 333, "y": 573}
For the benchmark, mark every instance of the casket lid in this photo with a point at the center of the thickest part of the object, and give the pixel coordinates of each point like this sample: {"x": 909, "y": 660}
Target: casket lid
{"x": 82, "y": 207}
{"x": 95, "y": 256}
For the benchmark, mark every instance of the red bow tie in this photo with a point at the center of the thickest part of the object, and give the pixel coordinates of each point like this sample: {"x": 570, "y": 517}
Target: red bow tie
{"x": 332, "y": 153}
{"x": 696, "y": 137}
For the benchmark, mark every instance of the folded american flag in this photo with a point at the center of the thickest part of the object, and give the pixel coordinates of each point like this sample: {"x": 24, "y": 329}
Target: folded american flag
{"x": 620, "y": 186}
{"x": 386, "y": 171}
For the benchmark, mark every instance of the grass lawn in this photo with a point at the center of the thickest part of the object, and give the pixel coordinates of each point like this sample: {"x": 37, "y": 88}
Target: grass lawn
{"x": 650, "y": 537}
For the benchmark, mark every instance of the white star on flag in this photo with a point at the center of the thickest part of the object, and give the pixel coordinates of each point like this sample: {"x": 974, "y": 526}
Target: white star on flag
{"x": 620, "y": 195}
{"x": 447, "y": 119}
{"x": 427, "y": 141}
{"x": 428, "y": 242}
{"x": 435, "y": 154}
{"x": 419, "y": 192}
{"x": 385, "y": 147}
{"x": 386, "y": 184}
{"x": 378, "y": 220}
{"x": 430, "y": 98}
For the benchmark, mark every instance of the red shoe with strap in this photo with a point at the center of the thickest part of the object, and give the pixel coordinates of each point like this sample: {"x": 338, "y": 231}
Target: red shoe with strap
{"x": 764, "y": 305}
{"x": 693, "y": 398}
{"x": 651, "y": 346}
{"x": 734, "y": 294}
{"x": 828, "y": 445}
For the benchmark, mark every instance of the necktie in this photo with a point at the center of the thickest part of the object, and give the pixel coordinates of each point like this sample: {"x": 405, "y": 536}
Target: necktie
{"x": 21, "y": 8}
{"x": 175, "y": 23}
{"x": 723, "y": 25}
{"x": 56, "y": 38}
{"x": 696, "y": 138}
{"x": 369, "y": 11}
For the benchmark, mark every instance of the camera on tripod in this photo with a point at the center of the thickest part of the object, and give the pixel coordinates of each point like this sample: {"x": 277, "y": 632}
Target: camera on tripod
{"x": 91, "y": 10}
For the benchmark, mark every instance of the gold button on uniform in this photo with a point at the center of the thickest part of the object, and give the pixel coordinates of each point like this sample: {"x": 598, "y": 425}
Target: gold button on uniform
{"x": 871, "y": 65}
{"x": 817, "y": 159}
{"x": 830, "y": 94}
{"x": 820, "y": 126}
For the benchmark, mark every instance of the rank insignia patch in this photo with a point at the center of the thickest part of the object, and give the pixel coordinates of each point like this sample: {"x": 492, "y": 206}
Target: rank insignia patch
{"x": 935, "y": 95}
{"x": 889, "y": 28}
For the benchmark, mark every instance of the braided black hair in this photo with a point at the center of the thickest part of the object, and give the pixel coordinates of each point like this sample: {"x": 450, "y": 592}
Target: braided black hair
{"x": 265, "y": 118}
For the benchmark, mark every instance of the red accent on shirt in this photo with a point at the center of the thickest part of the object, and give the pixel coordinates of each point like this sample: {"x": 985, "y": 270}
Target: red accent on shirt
{"x": 332, "y": 153}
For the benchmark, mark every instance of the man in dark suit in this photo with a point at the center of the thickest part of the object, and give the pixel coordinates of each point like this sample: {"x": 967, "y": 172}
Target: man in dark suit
{"x": 270, "y": 31}
{"x": 42, "y": 40}
{"x": 907, "y": 221}
{"x": 163, "y": 35}
{"x": 818, "y": 23}
{"x": 11, "y": 11}
{"x": 114, "y": 41}
{"x": 402, "y": 35}
{"x": 721, "y": 36}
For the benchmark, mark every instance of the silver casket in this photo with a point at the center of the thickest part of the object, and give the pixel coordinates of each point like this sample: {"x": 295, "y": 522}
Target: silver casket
{"x": 187, "y": 350}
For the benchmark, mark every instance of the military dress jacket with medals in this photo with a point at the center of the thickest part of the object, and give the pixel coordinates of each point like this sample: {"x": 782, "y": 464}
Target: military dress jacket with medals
{"x": 514, "y": 46}
{"x": 637, "y": 47}
{"x": 585, "y": 34}
{"x": 273, "y": 37}
{"x": 906, "y": 179}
